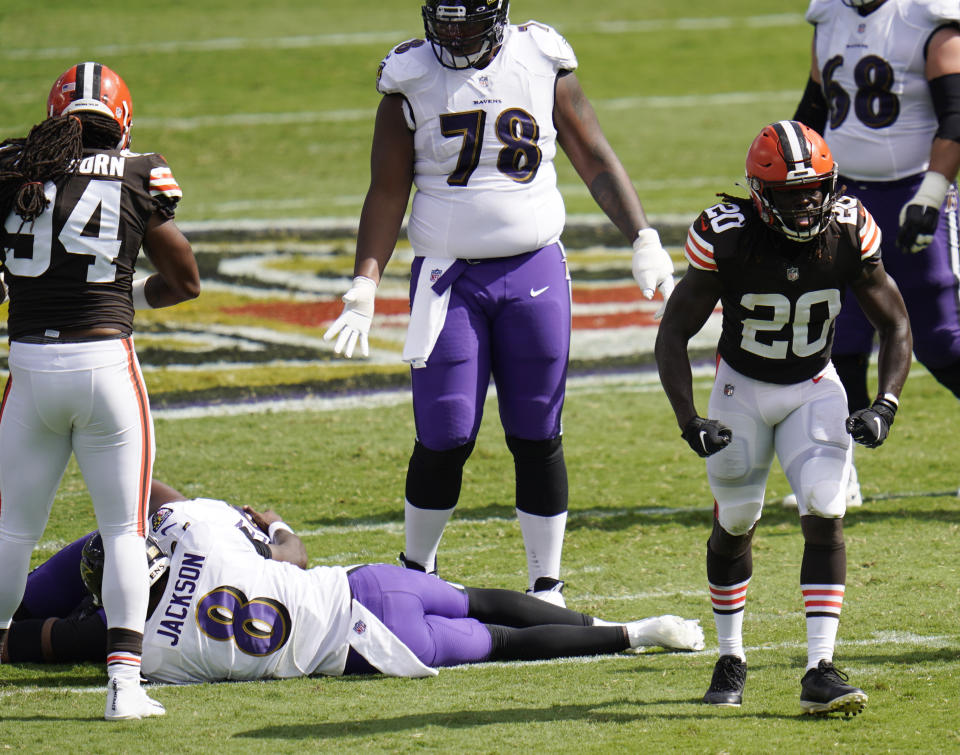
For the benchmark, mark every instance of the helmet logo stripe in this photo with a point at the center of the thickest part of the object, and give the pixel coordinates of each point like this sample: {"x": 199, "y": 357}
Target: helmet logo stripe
{"x": 795, "y": 147}
{"x": 88, "y": 81}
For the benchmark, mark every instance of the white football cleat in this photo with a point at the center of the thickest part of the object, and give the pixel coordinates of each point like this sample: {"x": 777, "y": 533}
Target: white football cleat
{"x": 548, "y": 590}
{"x": 789, "y": 501}
{"x": 128, "y": 700}
{"x": 671, "y": 632}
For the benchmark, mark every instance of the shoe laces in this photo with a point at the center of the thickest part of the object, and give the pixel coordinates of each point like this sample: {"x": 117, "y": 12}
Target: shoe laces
{"x": 828, "y": 669}
{"x": 729, "y": 671}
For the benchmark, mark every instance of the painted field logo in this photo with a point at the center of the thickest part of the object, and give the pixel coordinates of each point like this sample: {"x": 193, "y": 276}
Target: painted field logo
{"x": 257, "y": 331}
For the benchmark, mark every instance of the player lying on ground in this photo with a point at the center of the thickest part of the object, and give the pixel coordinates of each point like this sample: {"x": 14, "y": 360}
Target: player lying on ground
{"x": 59, "y": 622}
{"x": 232, "y": 611}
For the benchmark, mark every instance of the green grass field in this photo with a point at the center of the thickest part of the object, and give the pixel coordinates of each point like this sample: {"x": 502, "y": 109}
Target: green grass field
{"x": 267, "y": 110}
{"x": 640, "y": 515}
{"x": 265, "y": 113}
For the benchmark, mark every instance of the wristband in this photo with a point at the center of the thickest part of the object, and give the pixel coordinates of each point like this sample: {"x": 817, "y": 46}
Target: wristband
{"x": 933, "y": 189}
{"x": 276, "y": 527}
{"x": 891, "y": 398}
{"x": 139, "y": 292}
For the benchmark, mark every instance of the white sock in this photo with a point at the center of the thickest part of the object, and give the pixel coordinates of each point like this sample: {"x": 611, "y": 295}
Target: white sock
{"x": 601, "y": 623}
{"x": 730, "y": 633}
{"x": 423, "y": 529}
{"x": 543, "y": 541}
{"x": 821, "y": 639}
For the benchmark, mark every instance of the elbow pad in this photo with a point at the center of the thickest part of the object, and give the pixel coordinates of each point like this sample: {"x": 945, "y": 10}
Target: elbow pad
{"x": 945, "y": 93}
{"x": 812, "y": 110}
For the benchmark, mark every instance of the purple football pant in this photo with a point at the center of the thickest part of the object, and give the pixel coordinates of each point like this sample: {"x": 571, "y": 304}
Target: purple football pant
{"x": 426, "y": 613}
{"x": 508, "y": 317}
{"x": 55, "y": 588}
{"x": 927, "y": 280}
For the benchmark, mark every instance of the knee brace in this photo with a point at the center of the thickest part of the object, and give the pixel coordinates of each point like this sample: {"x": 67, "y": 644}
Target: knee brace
{"x": 434, "y": 477}
{"x": 824, "y": 551}
{"x": 541, "y": 475}
{"x": 729, "y": 557}
{"x": 722, "y": 543}
{"x": 948, "y": 376}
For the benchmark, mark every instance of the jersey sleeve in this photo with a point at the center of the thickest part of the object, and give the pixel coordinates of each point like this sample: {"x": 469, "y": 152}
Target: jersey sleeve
{"x": 167, "y": 525}
{"x": 698, "y": 249}
{"x": 936, "y": 13}
{"x": 551, "y": 44}
{"x": 868, "y": 233}
{"x": 163, "y": 187}
{"x": 204, "y": 537}
{"x": 405, "y": 63}
{"x": 819, "y": 10}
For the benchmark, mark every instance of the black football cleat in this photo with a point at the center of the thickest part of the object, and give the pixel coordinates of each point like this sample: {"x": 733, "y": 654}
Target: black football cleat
{"x": 726, "y": 687}
{"x": 408, "y": 564}
{"x": 825, "y": 690}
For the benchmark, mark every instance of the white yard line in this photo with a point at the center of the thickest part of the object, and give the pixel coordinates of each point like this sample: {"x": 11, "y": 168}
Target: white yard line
{"x": 230, "y": 44}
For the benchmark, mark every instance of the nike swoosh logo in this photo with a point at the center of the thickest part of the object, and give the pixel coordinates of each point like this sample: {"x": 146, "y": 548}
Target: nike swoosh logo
{"x": 818, "y": 378}
{"x": 703, "y": 442}
{"x": 536, "y": 292}
{"x": 879, "y": 426}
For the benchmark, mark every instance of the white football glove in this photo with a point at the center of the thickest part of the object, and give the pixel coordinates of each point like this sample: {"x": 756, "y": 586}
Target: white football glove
{"x": 652, "y": 266}
{"x": 353, "y": 324}
{"x": 919, "y": 216}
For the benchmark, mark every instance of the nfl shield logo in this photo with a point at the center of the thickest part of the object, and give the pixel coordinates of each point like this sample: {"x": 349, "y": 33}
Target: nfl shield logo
{"x": 483, "y": 81}
{"x": 435, "y": 274}
{"x": 793, "y": 273}
{"x": 728, "y": 389}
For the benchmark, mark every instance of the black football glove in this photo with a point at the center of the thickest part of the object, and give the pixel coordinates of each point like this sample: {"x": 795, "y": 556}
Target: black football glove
{"x": 706, "y": 436}
{"x": 871, "y": 426}
{"x": 917, "y": 227}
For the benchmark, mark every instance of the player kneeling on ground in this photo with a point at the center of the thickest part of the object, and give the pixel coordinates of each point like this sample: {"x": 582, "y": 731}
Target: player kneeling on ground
{"x": 779, "y": 265}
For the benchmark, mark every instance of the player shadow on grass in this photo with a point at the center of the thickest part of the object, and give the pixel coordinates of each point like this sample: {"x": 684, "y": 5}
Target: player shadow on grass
{"x": 592, "y": 713}
{"x": 607, "y": 518}
{"x": 683, "y": 514}
{"x": 54, "y": 675}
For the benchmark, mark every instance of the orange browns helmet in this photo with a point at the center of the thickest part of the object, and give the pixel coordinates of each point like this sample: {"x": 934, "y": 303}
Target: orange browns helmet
{"x": 93, "y": 88}
{"x": 790, "y": 155}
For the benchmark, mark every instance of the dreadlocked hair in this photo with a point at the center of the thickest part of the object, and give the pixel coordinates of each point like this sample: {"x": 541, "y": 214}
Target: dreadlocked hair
{"x": 49, "y": 152}
{"x": 100, "y": 131}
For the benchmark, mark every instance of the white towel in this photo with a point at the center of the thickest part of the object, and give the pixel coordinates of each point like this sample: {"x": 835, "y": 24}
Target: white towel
{"x": 382, "y": 648}
{"x": 429, "y": 310}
